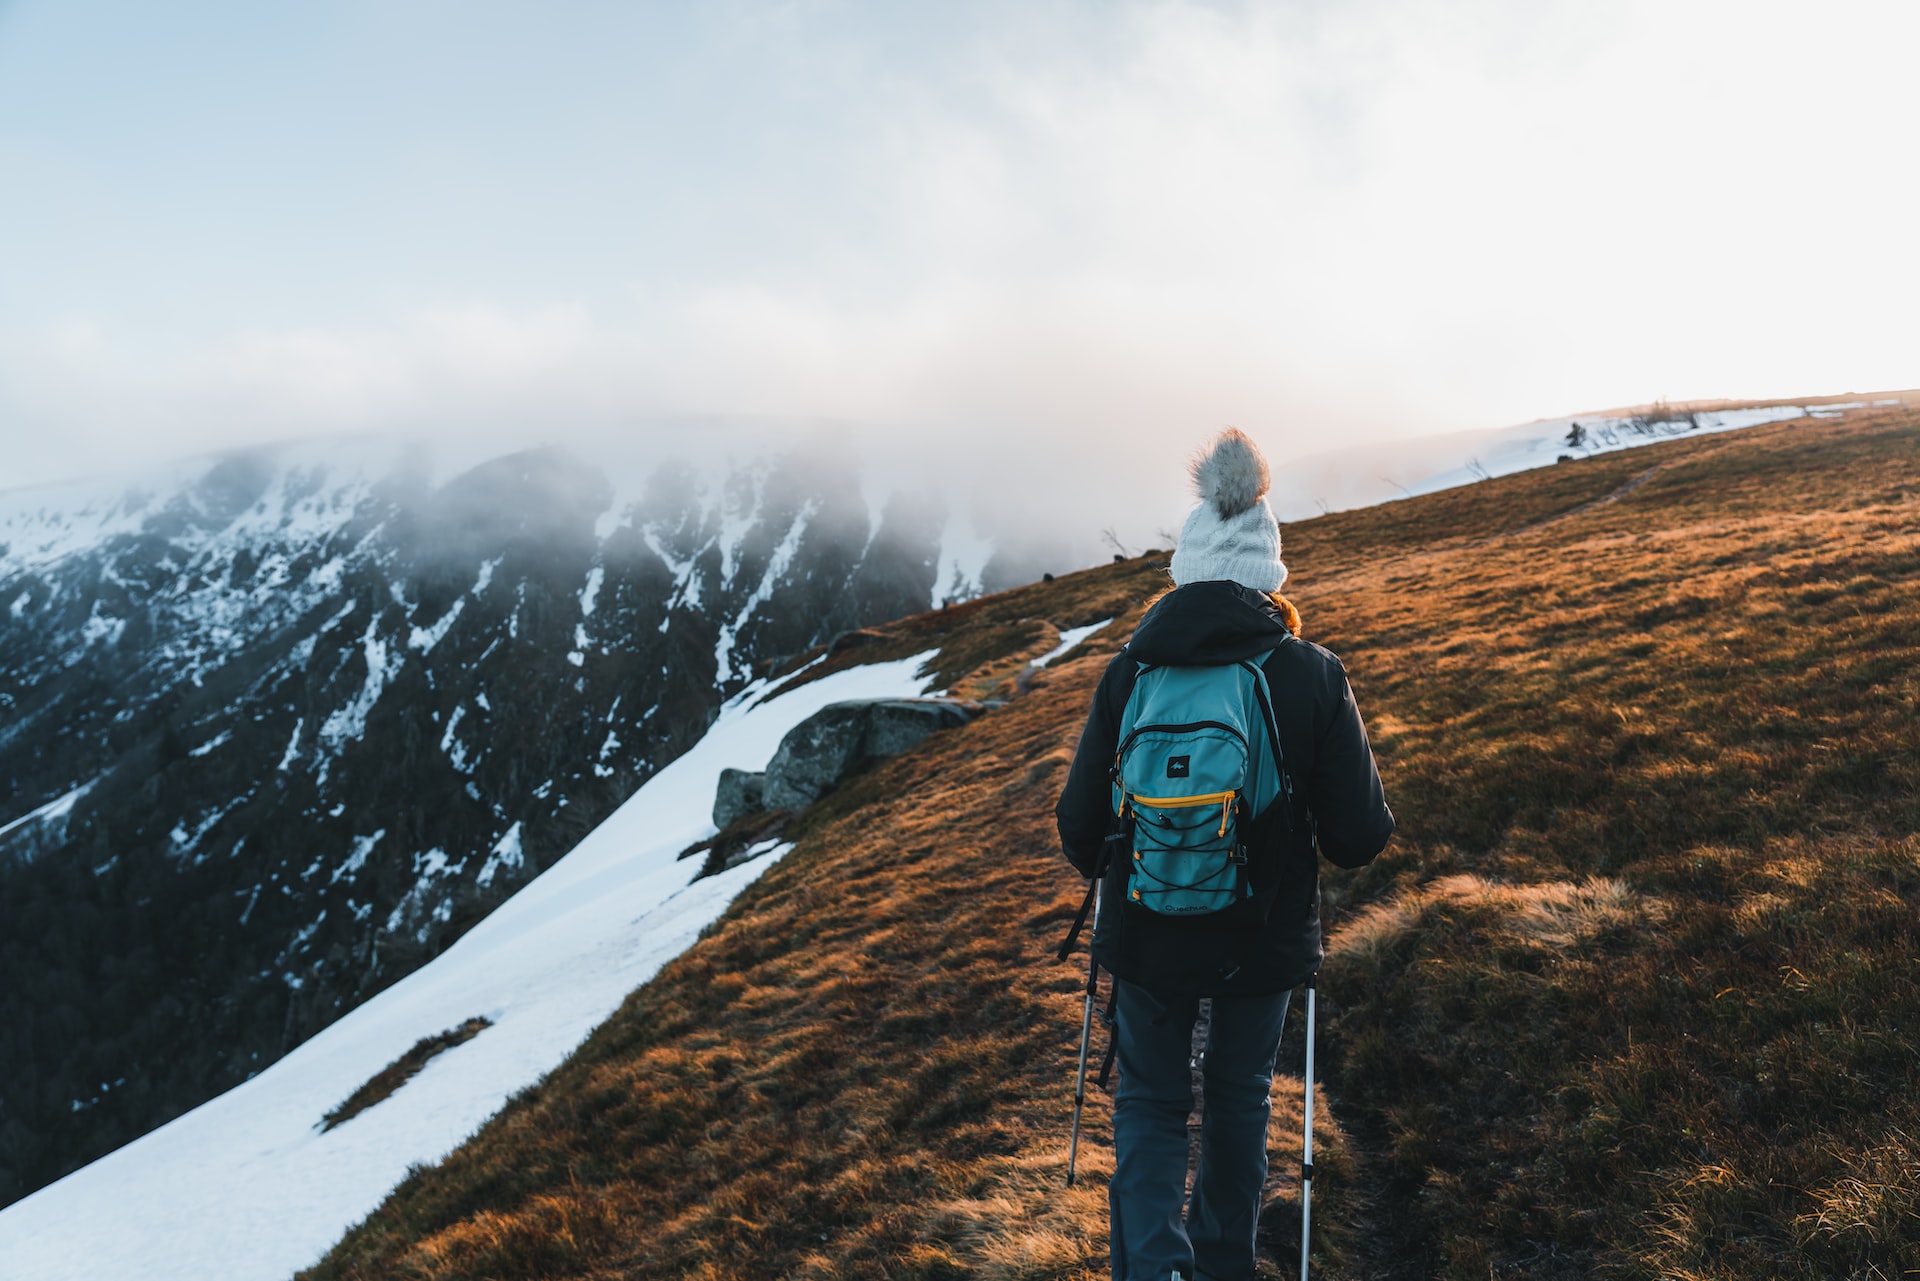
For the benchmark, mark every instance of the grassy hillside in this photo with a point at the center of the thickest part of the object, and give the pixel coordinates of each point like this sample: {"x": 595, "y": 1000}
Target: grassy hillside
{"x": 1633, "y": 994}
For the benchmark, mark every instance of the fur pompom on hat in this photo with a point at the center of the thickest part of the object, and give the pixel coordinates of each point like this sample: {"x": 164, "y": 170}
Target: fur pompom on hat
{"x": 1232, "y": 535}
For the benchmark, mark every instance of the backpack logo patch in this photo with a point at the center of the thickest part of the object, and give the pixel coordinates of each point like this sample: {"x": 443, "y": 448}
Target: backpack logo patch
{"x": 1179, "y": 766}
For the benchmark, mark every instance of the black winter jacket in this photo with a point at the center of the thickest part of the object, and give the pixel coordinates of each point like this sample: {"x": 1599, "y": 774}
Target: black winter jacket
{"x": 1273, "y": 942}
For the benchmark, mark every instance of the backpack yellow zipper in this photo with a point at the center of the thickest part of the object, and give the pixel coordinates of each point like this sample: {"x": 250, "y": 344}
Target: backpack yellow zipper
{"x": 1223, "y": 799}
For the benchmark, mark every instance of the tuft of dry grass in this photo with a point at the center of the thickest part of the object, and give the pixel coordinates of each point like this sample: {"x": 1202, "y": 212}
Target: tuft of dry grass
{"x": 383, "y": 1083}
{"x": 1878, "y": 1201}
{"x": 1634, "y": 993}
{"x": 731, "y": 845}
{"x": 1543, "y": 917}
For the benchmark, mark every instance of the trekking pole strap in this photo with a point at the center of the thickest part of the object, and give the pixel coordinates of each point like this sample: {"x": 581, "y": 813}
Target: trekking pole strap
{"x": 1110, "y": 1017}
{"x": 1079, "y": 921}
{"x": 1106, "y": 1064}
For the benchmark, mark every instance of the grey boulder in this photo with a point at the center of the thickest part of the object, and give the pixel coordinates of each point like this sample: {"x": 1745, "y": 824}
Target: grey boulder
{"x": 737, "y": 796}
{"x": 843, "y": 738}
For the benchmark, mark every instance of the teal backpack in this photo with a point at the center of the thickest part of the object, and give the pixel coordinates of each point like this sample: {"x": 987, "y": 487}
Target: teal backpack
{"x": 1199, "y": 760}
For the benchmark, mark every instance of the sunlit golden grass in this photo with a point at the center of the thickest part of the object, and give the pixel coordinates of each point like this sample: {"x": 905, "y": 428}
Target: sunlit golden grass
{"x": 1543, "y": 916}
{"x": 1634, "y": 994}
{"x": 1703, "y": 698}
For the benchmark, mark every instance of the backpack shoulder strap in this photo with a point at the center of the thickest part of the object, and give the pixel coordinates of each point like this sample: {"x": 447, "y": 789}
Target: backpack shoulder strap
{"x": 1264, "y": 694}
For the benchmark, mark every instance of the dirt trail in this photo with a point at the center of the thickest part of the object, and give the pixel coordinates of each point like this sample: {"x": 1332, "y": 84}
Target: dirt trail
{"x": 1572, "y": 512}
{"x": 1399, "y": 560}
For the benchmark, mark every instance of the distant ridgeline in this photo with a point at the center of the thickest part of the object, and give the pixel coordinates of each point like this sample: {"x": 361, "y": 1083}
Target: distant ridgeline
{"x": 276, "y": 731}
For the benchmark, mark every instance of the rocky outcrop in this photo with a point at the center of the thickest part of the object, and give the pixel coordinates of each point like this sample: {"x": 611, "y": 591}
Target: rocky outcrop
{"x": 738, "y": 795}
{"x": 844, "y": 738}
{"x": 752, "y": 809}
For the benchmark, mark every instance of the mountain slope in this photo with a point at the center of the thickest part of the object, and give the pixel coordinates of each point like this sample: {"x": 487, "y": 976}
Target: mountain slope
{"x": 1647, "y": 723}
{"x": 277, "y": 728}
{"x": 250, "y": 1185}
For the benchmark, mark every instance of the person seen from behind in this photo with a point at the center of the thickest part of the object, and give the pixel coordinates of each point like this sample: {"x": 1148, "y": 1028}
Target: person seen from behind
{"x": 1244, "y": 928}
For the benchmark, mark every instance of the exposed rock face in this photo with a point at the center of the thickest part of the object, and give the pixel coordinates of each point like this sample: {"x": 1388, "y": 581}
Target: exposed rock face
{"x": 738, "y": 795}
{"x": 843, "y": 738}
{"x": 276, "y": 729}
{"x": 897, "y": 725}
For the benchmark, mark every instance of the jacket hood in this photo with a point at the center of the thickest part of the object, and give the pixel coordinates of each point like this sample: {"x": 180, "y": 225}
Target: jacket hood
{"x": 1207, "y": 624}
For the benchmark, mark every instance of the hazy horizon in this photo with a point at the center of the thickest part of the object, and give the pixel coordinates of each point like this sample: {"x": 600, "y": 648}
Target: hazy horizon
{"x": 1036, "y": 237}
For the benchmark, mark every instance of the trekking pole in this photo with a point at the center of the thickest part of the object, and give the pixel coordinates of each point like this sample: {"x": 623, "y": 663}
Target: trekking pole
{"x": 1086, "y": 1035}
{"x": 1306, "y": 1160}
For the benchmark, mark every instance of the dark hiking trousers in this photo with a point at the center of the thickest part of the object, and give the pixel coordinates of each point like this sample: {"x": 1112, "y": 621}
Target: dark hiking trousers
{"x": 1213, "y": 1239}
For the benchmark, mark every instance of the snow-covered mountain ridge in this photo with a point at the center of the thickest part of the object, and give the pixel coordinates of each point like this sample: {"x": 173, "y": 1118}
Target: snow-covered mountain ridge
{"x": 276, "y": 728}
{"x": 248, "y": 1187}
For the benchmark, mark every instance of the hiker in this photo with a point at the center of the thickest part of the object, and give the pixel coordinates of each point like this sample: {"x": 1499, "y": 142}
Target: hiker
{"x": 1253, "y": 937}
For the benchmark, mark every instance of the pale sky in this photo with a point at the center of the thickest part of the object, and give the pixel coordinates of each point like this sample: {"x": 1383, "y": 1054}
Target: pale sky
{"x": 1032, "y": 226}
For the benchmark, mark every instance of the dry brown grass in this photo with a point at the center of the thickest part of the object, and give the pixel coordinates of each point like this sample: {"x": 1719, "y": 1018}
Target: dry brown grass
{"x": 1634, "y": 994}
{"x": 1688, "y": 719}
{"x": 380, "y": 1086}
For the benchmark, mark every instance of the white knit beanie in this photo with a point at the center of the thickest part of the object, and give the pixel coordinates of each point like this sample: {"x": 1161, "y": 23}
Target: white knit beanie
{"x": 1232, "y": 535}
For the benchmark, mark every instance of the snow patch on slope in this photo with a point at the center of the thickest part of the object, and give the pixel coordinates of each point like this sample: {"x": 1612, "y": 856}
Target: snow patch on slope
{"x": 351, "y": 721}
{"x": 777, "y": 566}
{"x": 506, "y": 853}
{"x": 1068, "y": 639}
{"x": 590, "y": 594}
{"x": 425, "y": 638}
{"x": 57, "y": 808}
{"x": 362, "y": 846}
